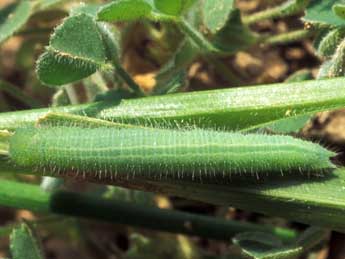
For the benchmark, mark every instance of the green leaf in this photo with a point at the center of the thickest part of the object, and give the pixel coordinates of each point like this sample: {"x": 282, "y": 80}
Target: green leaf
{"x": 330, "y": 42}
{"x": 234, "y": 35}
{"x": 320, "y": 11}
{"x": 295, "y": 123}
{"x": 24, "y": 243}
{"x": 216, "y": 13}
{"x": 337, "y": 62}
{"x": 339, "y": 10}
{"x": 258, "y": 245}
{"x": 76, "y": 50}
{"x": 290, "y": 125}
{"x": 169, "y": 7}
{"x": 13, "y": 17}
{"x": 316, "y": 200}
{"x": 233, "y": 109}
{"x": 125, "y": 10}
{"x": 266, "y": 246}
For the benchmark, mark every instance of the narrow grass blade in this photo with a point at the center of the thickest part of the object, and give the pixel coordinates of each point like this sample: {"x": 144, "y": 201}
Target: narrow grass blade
{"x": 231, "y": 109}
{"x": 311, "y": 200}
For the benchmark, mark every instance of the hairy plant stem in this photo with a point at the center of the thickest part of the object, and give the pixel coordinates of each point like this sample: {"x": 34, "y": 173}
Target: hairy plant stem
{"x": 285, "y": 9}
{"x": 112, "y": 52}
{"x": 287, "y": 37}
{"x": 31, "y": 197}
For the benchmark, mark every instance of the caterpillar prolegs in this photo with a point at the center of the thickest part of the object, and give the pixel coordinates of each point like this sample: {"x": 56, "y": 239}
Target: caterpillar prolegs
{"x": 156, "y": 153}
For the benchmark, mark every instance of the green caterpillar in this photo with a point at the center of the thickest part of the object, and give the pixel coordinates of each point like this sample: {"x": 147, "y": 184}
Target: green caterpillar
{"x": 156, "y": 153}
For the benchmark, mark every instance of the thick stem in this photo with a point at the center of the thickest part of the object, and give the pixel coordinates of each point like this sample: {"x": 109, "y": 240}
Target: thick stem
{"x": 26, "y": 196}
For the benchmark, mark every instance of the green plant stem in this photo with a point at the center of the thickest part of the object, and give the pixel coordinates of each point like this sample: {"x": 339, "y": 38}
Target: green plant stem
{"x": 72, "y": 94}
{"x": 24, "y": 196}
{"x": 283, "y": 10}
{"x": 31, "y": 197}
{"x": 112, "y": 53}
{"x": 262, "y": 15}
{"x": 288, "y": 37}
{"x": 233, "y": 109}
{"x": 196, "y": 37}
{"x": 18, "y": 94}
{"x": 128, "y": 79}
{"x": 95, "y": 85}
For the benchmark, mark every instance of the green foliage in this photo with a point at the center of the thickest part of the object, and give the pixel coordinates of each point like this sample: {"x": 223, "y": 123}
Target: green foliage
{"x": 234, "y": 35}
{"x": 250, "y": 107}
{"x": 76, "y": 50}
{"x": 264, "y": 246}
{"x": 24, "y": 244}
{"x": 258, "y": 245}
{"x": 216, "y": 13}
{"x": 170, "y": 7}
{"x": 125, "y": 10}
{"x": 337, "y": 63}
{"x": 339, "y": 10}
{"x": 330, "y": 42}
{"x": 320, "y": 11}
{"x": 13, "y": 17}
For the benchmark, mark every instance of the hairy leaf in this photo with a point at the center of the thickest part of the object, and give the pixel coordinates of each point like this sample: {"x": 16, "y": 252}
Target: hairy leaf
{"x": 24, "y": 243}
{"x": 330, "y": 42}
{"x": 320, "y": 11}
{"x": 76, "y": 50}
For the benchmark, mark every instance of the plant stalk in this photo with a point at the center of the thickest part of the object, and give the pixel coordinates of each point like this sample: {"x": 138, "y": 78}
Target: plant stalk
{"x": 25, "y": 196}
